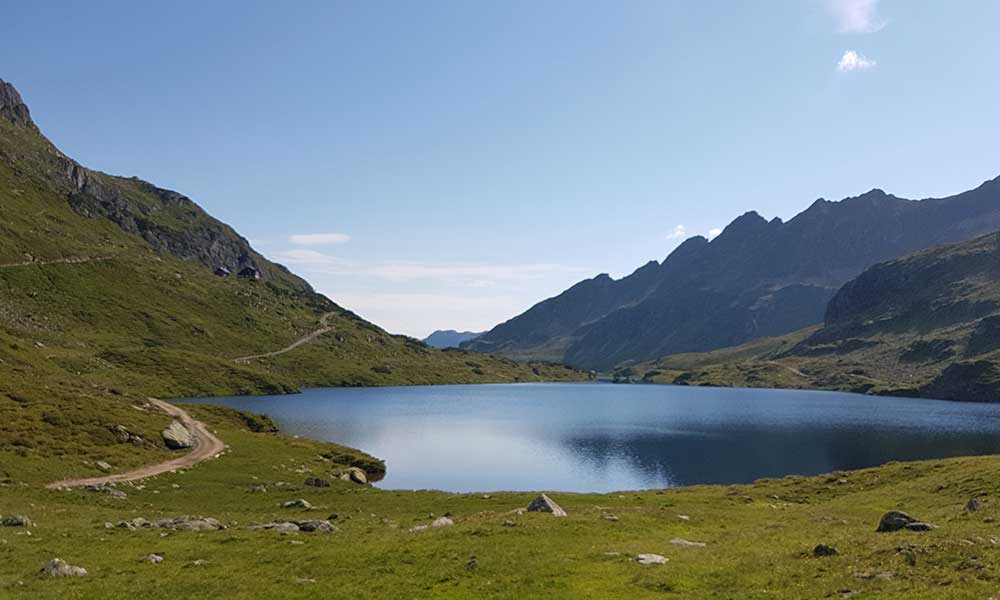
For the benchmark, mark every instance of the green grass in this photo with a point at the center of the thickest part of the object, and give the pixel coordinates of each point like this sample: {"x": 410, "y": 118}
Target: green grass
{"x": 758, "y": 536}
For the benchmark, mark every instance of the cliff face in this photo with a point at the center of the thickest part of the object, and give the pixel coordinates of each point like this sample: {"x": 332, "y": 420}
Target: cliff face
{"x": 758, "y": 278}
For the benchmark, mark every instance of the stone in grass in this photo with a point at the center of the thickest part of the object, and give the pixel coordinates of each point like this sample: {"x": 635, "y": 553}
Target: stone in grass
{"x": 920, "y": 526}
{"x": 15, "y": 521}
{"x": 651, "y": 559}
{"x": 973, "y": 505}
{"x": 59, "y": 568}
{"x": 153, "y": 559}
{"x": 177, "y": 437}
{"x": 894, "y": 520}
{"x": 690, "y": 544}
{"x": 824, "y": 550}
{"x": 317, "y": 482}
{"x": 104, "y": 466}
{"x": 545, "y": 504}
{"x": 300, "y": 503}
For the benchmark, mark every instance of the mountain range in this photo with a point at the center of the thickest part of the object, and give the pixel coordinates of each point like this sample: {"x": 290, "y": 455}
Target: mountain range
{"x": 449, "y": 338}
{"x": 758, "y": 278}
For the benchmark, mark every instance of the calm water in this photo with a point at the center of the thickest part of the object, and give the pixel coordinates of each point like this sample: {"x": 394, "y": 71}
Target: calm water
{"x": 603, "y": 437}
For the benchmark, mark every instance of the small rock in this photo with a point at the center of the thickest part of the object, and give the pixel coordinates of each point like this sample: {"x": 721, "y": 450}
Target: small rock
{"x": 610, "y": 517}
{"x": 177, "y": 437}
{"x": 472, "y": 564}
{"x": 105, "y": 489}
{"x": 650, "y": 559}
{"x": 683, "y": 542}
{"x": 257, "y": 488}
{"x": 103, "y": 466}
{"x": 972, "y": 505}
{"x": 545, "y": 504}
{"x": 824, "y": 550}
{"x": 919, "y": 526}
{"x": 317, "y": 482}
{"x": 316, "y": 525}
{"x": 152, "y": 559}
{"x": 300, "y": 503}
{"x": 332, "y": 517}
{"x": 285, "y": 527}
{"x": 58, "y": 568}
{"x": 894, "y": 520}
{"x": 509, "y": 523}
{"x": 442, "y": 522}
{"x": 684, "y": 517}
{"x": 15, "y": 521}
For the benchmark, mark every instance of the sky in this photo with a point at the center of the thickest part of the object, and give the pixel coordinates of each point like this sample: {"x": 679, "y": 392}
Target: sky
{"x": 448, "y": 164}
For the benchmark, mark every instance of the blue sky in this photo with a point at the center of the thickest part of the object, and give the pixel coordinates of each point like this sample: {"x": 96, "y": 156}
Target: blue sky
{"x": 455, "y": 162}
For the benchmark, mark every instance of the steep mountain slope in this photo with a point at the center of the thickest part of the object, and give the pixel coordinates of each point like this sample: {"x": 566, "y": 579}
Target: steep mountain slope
{"x": 449, "y": 338}
{"x": 925, "y": 325}
{"x": 758, "y": 278}
{"x": 108, "y": 292}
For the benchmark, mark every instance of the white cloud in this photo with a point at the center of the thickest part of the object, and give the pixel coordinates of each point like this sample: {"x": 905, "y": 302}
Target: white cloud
{"x": 399, "y": 271}
{"x": 852, "y": 61}
{"x": 679, "y": 232}
{"x": 319, "y": 239}
{"x": 856, "y": 16}
{"x": 714, "y": 233}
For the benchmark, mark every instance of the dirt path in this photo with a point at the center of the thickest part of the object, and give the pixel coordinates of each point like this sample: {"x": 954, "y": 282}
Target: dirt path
{"x": 72, "y": 260}
{"x": 324, "y": 328}
{"x": 206, "y": 446}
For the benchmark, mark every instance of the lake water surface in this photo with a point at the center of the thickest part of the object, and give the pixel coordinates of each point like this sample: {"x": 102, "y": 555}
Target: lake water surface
{"x": 593, "y": 437}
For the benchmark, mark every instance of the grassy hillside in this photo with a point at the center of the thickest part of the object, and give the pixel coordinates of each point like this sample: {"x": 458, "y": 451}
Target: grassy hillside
{"x": 107, "y": 296}
{"x": 925, "y": 325}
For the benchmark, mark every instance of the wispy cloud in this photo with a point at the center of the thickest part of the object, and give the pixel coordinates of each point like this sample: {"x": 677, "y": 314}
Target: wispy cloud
{"x": 319, "y": 239}
{"x": 856, "y": 16}
{"x": 714, "y": 233}
{"x": 852, "y": 61}
{"x": 477, "y": 275}
{"x": 678, "y": 233}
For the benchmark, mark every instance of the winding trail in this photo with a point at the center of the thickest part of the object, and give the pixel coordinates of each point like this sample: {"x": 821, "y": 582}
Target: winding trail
{"x": 72, "y": 260}
{"x": 324, "y": 328}
{"x": 206, "y": 446}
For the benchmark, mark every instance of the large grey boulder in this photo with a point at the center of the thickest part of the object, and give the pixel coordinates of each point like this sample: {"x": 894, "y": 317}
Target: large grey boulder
{"x": 545, "y": 504}
{"x": 176, "y": 436}
{"x": 894, "y": 520}
{"x": 58, "y": 568}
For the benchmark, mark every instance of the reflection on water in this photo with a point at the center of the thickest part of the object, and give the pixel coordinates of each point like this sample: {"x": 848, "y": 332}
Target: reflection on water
{"x": 601, "y": 437}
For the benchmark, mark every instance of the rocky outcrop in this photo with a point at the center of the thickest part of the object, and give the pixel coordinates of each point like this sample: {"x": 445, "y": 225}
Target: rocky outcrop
{"x": 177, "y": 437}
{"x": 60, "y": 568}
{"x": 182, "y": 523}
{"x": 545, "y": 504}
{"x": 12, "y": 108}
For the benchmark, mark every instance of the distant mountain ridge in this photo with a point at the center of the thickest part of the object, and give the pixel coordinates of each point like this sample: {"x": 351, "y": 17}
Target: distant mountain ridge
{"x": 449, "y": 338}
{"x": 757, "y": 278}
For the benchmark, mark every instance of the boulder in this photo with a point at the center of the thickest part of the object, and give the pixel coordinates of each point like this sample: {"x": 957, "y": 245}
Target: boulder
{"x": 300, "y": 503}
{"x": 188, "y": 523}
{"x": 545, "y": 504}
{"x": 824, "y": 550}
{"x": 651, "y": 559}
{"x": 177, "y": 437}
{"x": 442, "y": 522}
{"x": 15, "y": 521}
{"x": 317, "y": 482}
{"x": 59, "y": 568}
{"x": 894, "y": 520}
{"x": 919, "y": 526}
{"x": 104, "y": 466}
{"x": 357, "y": 475}
{"x": 152, "y": 559}
{"x": 689, "y": 544}
{"x": 316, "y": 525}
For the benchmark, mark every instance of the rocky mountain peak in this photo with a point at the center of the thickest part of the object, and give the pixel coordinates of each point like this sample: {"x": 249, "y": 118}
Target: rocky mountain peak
{"x": 12, "y": 108}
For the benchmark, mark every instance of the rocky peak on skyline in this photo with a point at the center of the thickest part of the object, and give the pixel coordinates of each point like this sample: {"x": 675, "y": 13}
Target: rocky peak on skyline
{"x": 12, "y": 107}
